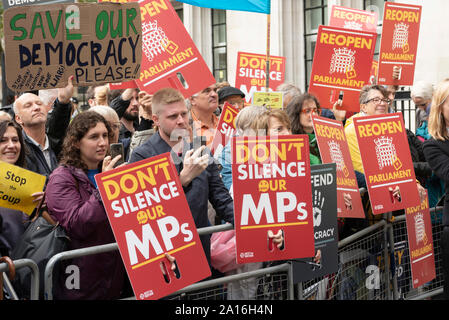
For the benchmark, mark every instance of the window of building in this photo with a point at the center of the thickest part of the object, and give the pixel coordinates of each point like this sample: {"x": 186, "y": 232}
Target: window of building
{"x": 178, "y": 6}
{"x": 376, "y": 6}
{"x": 315, "y": 14}
{"x": 219, "y": 48}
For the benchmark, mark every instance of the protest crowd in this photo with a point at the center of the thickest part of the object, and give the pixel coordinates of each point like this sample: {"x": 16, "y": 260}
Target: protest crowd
{"x": 70, "y": 140}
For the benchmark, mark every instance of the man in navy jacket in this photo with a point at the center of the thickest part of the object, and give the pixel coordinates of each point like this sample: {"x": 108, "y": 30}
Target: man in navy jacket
{"x": 198, "y": 173}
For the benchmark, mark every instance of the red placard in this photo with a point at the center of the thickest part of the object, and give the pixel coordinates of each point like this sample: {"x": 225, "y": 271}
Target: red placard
{"x": 150, "y": 216}
{"x": 272, "y": 191}
{"x": 341, "y": 64}
{"x": 399, "y": 43}
{"x": 386, "y": 161}
{"x": 169, "y": 57}
{"x": 354, "y": 19}
{"x": 225, "y": 129}
{"x": 420, "y": 243}
{"x": 333, "y": 145}
{"x": 123, "y": 85}
{"x": 251, "y": 73}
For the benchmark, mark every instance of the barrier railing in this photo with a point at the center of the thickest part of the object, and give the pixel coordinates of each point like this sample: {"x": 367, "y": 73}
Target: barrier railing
{"x": 24, "y": 263}
{"x": 369, "y": 269}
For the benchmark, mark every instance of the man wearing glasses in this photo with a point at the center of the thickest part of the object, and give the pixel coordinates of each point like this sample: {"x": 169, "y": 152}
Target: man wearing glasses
{"x": 373, "y": 101}
{"x": 203, "y": 120}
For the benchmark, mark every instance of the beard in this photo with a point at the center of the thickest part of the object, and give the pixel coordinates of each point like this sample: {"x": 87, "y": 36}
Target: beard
{"x": 130, "y": 116}
{"x": 176, "y": 134}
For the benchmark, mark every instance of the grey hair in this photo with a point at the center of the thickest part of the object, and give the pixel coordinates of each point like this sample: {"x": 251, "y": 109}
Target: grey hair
{"x": 288, "y": 89}
{"x": 246, "y": 117}
{"x": 5, "y": 114}
{"x": 105, "y": 111}
{"x": 422, "y": 89}
{"x": 14, "y": 108}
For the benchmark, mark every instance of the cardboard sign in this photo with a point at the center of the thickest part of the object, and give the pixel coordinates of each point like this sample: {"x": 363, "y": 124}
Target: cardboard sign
{"x": 15, "y": 3}
{"x": 150, "y": 216}
{"x": 170, "y": 57}
{"x": 341, "y": 64}
{"x": 16, "y": 187}
{"x": 96, "y": 43}
{"x": 273, "y": 100}
{"x": 252, "y": 73}
{"x": 324, "y": 184}
{"x": 123, "y": 85}
{"x": 420, "y": 239}
{"x": 272, "y": 191}
{"x": 354, "y": 19}
{"x": 225, "y": 129}
{"x": 399, "y": 43}
{"x": 331, "y": 139}
{"x": 374, "y": 71}
{"x": 387, "y": 162}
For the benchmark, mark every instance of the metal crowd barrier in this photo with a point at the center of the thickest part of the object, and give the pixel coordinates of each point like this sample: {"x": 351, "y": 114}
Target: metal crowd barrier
{"x": 22, "y": 263}
{"x": 373, "y": 265}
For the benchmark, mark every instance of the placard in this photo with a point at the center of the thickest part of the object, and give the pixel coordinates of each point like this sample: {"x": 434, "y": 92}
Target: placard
{"x": 16, "y": 187}
{"x": 150, "y": 216}
{"x": 349, "y": 18}
{"x": 225, "y": 129}
{"x": 170, "y": 57}
{"x": 374, "y": 71}
{"x": 252, "y": 73}
{"x": 273, "y": 100}
{"x": 324, "y": 195}
{"x": 331, "y": 139}
{"x": 399, "y": 43}
{"x": 95, "y": 43}
{"x": 341, "y": 65}
{"x": 387, "y": 162}
{"x": 272, "y": 191}
{"x": 420, "y": 239}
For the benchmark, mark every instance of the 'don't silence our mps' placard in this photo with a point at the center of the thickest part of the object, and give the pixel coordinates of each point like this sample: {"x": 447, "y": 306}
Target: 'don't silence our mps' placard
{"x": 272, "y": 192}
{"x": 150, "y": 216}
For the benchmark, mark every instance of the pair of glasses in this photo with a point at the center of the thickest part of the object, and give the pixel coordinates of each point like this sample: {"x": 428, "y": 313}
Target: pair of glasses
{"x": 378, "y": 101}
{"x": 421, "y": 105}
{"x": 311, "y": 110}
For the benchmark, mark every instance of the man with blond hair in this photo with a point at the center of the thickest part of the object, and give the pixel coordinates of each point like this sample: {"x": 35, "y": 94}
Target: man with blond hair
{"x": 198, "y": 174}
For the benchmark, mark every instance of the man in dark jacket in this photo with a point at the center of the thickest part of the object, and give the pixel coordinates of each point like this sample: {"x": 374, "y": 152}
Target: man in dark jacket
{"x": 43, "y": 138}
{"x": 198, "y": 174}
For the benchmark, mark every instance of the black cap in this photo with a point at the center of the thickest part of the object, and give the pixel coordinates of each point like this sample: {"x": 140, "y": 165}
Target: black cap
{"x": 229, "y": 91}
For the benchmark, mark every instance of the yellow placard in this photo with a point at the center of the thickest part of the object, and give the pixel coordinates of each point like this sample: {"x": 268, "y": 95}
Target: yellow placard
{"x": 273, "y": 100}
{"x": 16, "y": 187}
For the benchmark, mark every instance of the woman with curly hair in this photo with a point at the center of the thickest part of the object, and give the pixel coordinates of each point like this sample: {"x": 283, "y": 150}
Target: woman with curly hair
{"x": 74, "y": 201}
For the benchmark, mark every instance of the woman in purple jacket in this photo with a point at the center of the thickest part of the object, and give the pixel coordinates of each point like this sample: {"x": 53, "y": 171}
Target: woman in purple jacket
{"x": 74, "y": 200}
